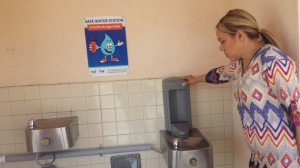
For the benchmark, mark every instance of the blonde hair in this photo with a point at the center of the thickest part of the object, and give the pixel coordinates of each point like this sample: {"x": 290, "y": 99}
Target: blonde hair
{"x": 239, "y": 19}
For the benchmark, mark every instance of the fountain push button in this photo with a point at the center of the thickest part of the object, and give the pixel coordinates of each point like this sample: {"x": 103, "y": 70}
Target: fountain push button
{"x": 46, "y": 141}
{"x": 193, "y": 161}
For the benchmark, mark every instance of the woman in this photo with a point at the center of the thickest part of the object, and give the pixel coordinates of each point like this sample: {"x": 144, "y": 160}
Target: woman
{"x": 267, "y": 90}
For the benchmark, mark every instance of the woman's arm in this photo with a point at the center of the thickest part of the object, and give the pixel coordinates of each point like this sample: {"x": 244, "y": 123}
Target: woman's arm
{"x": 195, "y": 79}
{"x": 218, "y": 75}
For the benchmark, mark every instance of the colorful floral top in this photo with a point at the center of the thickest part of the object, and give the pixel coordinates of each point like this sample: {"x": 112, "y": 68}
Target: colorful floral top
{"x": 264, "y": 93}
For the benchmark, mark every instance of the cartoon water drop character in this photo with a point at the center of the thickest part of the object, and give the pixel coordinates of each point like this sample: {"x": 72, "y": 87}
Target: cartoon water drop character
{"x": 107, "y": 48}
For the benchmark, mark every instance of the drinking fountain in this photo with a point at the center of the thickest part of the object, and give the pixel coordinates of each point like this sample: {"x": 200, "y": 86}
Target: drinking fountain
{"x": 51, "y": 135}
{"x": 182, "y": 145}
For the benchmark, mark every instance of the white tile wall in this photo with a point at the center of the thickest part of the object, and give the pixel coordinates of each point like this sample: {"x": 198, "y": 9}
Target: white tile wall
{"x": 134, "y": 86}
{"x": 122, "y": 114}
{"x": 113, "y": 113}
{"x": 16, "y": 93}
{"x": 106, "y": 88}
{"x": 4, "y": 94}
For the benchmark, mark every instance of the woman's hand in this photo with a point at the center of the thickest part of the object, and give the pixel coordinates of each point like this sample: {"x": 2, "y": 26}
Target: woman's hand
{"x": 190, "y": 79}
{"x": 193, "y": 79}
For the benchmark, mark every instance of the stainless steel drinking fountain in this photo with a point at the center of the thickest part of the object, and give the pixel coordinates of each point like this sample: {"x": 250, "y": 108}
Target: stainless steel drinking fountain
{"x": 182, "y": 146}
{"x": 51, "y": 135}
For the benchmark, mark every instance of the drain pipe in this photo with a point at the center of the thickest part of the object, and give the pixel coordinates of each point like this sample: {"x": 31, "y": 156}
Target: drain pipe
{"x": 74, "y": 153}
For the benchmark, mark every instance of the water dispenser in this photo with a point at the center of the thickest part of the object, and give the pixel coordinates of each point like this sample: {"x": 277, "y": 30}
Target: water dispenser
{"x": 182, "y": 145}
{"x": 177, "y": 108}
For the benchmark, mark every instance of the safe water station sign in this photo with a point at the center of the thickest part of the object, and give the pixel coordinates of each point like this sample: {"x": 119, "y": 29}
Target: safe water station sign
{"x": 106, "y": 45}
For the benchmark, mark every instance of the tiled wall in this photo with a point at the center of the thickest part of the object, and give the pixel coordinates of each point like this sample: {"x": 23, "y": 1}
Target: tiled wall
{"x": 113, "y": 113}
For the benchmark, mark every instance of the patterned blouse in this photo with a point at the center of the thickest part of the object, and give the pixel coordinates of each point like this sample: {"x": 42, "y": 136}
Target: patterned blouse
{"x": 264, "y": 93}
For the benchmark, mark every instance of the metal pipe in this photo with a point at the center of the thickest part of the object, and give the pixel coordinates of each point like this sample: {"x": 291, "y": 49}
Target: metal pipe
{"x": 75, "y": 153}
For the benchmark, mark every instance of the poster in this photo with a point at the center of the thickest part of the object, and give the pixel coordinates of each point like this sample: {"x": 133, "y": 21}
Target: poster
{"x": 106, "y": 45}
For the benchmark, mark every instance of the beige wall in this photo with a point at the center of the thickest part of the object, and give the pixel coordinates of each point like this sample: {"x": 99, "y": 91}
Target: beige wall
{"x": 43, "y": 42}
{"x": 278, "y": 16}
{"x": 281, "y": 18}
